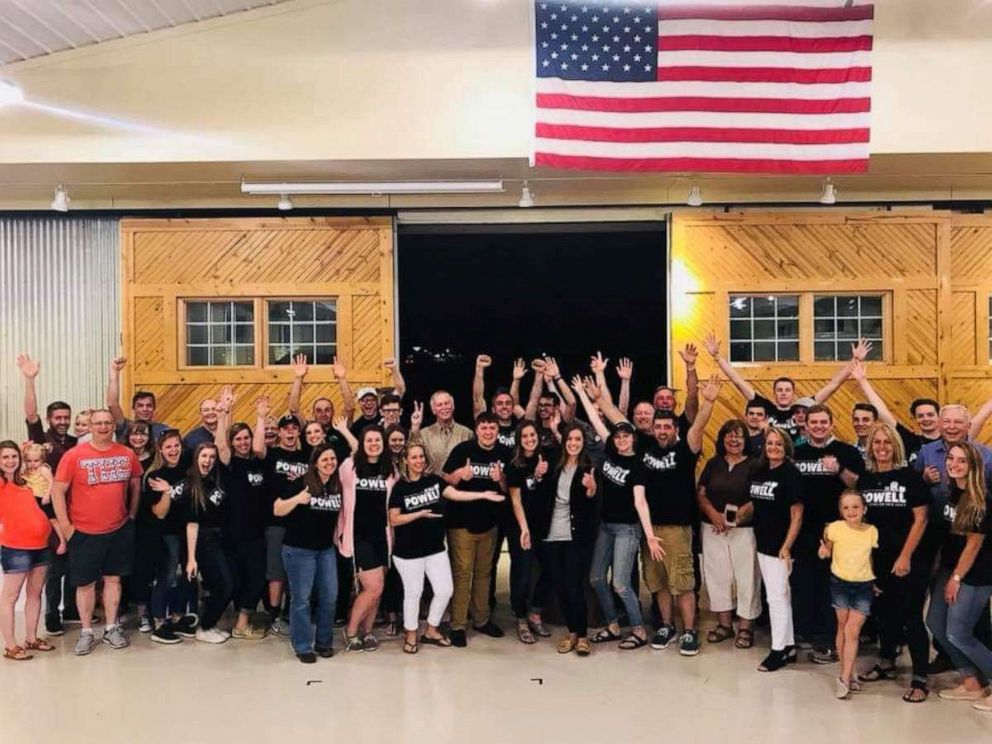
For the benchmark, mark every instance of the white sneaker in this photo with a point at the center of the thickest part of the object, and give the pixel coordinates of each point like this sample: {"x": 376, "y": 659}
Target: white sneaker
{"x": 214, "y": 635}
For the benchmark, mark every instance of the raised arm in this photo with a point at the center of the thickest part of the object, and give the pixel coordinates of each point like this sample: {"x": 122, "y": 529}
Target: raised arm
{"x": 29, "y": 369}
{"x": 591, "y": 413}
{"x": 300, "y": 369}
{"x": 979, "y": 419}
{"x": 860, "y": 375}
{"x": 598, "y": 366}
{"x": 347, "y": 396}
{"x": 225, "y": 404}
{"x": 859, "y": 352}
{"x": 530, "y": 413}
{"x": 399, "y": 384}
{"x": 689, "y": 355}
{"x": 625, "y": 371}
{"x": 479, "y": 384}
{"x": 738, "y": 381}
{"x": 694, "y": 437}
{"x": 258, "y": 446}
{"x": 519, "y": 370}
{"x": 340, "y": 425}
{"x": 552, "y": 370}
{"x": 114, "y": 389}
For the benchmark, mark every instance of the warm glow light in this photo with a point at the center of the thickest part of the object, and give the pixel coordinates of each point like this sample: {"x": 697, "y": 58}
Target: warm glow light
{"x": 683, "y": 286}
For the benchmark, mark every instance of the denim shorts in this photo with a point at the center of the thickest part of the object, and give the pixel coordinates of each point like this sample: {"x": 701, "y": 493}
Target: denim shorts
{"x": 852, "y": 595}
{"x": 19, "y": 560}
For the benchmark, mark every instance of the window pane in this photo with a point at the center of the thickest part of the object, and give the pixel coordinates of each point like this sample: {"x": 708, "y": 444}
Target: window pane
{"x": 197, "y": 356}
{"x": 847, "y": 307}
{"x": 278, "y": 311}
{"x": 764, "y": 307}
{"x": 823, "y": 329}
{"x": 196, "y": 334}
{"x": 764, "y": 351}
{"x": 307, "y": 351}
{"x": 788, "y": 306}
{"x": 221, "y": 356}
{"x": 325, "y": 311}
{"x": 876, "y": 351}
{"x": 279, "y": 334}
{"x": 325, "y": 355}
{"x": 764, "y": 329}
{"x": 196, "y": 311}
{"x": 278, "y": 355}
{"x": 740, "y": 306}
{"x": 740, "y": 352}
{"x": 244, "y": 355}
{"x": 220, "y": 312}
{"x": 871, "y": 305}
{"x": 244, "y": 312}
{"x": 824, "y": 351}
{"x": 740, "y": 330}
{"x": 326, "y": 333}
{"x": 788, "y": 351}
{"x": 847, "y": 328}
{"x": 788, "y": 329}
{"x": 823, "y": 307}
{"x": 303, "y": 334}
{"x": 302, "y": 311}
{"x": 872, "y": 327}
{"x": 244, "y": 334}
{"x": 220, "y": 334}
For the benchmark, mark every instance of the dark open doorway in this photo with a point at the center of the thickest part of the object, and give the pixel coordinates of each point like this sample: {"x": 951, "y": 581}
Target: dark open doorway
{"x": 524, "y": 290}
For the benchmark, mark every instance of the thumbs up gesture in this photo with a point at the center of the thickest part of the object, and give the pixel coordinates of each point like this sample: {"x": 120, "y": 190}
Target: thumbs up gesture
{"x": 542, "y": 467}
{"x": 465, "y": 472}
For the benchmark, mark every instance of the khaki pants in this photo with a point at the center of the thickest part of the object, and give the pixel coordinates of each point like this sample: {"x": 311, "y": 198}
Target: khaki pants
{"x": 471, "y": 567}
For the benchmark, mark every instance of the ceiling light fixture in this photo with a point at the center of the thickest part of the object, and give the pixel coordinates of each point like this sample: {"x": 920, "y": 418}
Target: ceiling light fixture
{"x": 829, "y": 193}
{"x": 10, "y": 93}
{"x": 61, "y": 201}
{"x": 360, "y": 188}
{"x": 285, "y": 203}
{"x": 526, "y": 197}
{"x": 695, "y": 197}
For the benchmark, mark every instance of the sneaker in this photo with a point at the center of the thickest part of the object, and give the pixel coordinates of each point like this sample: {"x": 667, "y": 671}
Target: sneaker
{"x": 457, "y": 638}
{"x": 824, "y": 656}
{"x": 85, "y": 644}
{"x": 961, "y": 693}
{"x": 804, "y": 643}
{"x": 213, "y": 635}
{"x": 186, "y": 626}
{"x": 307, "y": 657}
{"x": 145, "y": 624}
{"x": 353, "y": 644}
{"x": 369, "y": 642}
{"x": 490, "y": 629}
{"x": 280, "y": 626}
{"x": 251, "y": 633}
{"x": 165, "y": 633}
{"x": 53, "y": 625}
{"x": 663, "y": 637}
{"x": 689, "y": 642}
{"x": 114, "y": 637}
{"x": 324, "y": 652}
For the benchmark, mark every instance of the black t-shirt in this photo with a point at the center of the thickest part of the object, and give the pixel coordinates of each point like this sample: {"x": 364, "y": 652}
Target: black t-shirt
{"x": 980, "y": 573}
{"x": 370, "y": 508}
{"x": 311, "y": 526}
{"x": 507, "y": 436}
{"x": 359, "y": 424}
{"x": 727, "y": 485}
{"x": 59, "y": 445}
{"x": 782, "y": 418}
{"x": 911, "y": 442}
{"x": 481, "y": 515}
{"x": 284, "y": 471}
{"x": 773, "y": 491}
{"x": 821, "y": 489}
{"x": 754, "y": 444}
{"x": 341, "y": 448}
{"x": 423, "y": 536}
{"x": 175, "y": 520}
{"x": 249, "y": 505}
{"x": 618, "y": 476}
{"x": 531, "y": 489}
{"x": 891, "y": 497}
{"x": 212, "y": 514}
{"x": 670, "y": 483}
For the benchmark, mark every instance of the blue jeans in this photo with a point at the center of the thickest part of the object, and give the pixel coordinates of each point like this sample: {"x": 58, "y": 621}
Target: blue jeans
{"x": 954, "y": 626}
{"x": 172, "y": 592}
{"x": 310, "y": 570}
{"x": 616, "y": 546}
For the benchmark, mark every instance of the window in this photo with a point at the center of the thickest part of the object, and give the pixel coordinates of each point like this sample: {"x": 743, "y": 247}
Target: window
{"x": 840, "y": 320}
{"x": 302, "y": 327}
{"x": 764, "y": 328}
{"x": 220, "y": 333}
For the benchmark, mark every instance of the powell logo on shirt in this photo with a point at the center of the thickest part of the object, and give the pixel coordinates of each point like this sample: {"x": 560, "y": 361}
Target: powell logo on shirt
{"x": 114, "y": 469}
{"x": 330, "y": 502}
{"x": 176, "y": 492}
{"x": 660, "y": 463}
{"x": 216, "y": 496}
{"x": 892, "y": 494}
{"x": 255, "y": 479}
{"x": 812, "y": 467}
{"x": 764, "y": 491}
{"x": 508, "y": 439}
{"x": 616, "y": 473}
{"x": 427, "y": 497}
{"x": 950, "y": 513}
{"x": 371, "y": 484}
{"x": 292, "y": 469}
{"x": 482, "y": 469}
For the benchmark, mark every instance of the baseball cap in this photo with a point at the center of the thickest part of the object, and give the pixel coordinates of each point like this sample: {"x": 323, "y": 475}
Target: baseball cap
{"x": 624, "y": 426}
{"x": 362, "y": 392}
{"x": 806, "y": 402}
{"x": 290, "y": 420}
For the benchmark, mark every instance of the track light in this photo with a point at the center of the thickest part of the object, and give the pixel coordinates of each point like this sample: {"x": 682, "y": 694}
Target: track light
{"x": 374, "y": 188}
{"x": 526, "y": 197}
{"x": 695, "y": 197}
{"x": 829, "y": 194}
{"x": 10, "y": 92}
{"x": 61, "y": 201}
{"x": 285, "y": 203}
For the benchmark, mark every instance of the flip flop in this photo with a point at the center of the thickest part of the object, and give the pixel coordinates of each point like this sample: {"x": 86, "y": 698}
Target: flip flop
{"x": 633, "y": 641}
{"x": 605, "y": 636}
{"x": 524, "y": 634}
{"x": 877, "y": 673}
{"x": 410, "y": 648}
{"x": 915, "y": 688}
{"x": 745, "y": 638}
{"x": 719, "y": 634}
{"x": 443, "y": 641}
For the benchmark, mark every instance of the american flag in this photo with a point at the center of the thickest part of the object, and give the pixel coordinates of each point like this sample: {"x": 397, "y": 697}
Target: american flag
{"x": 704, "y": 86}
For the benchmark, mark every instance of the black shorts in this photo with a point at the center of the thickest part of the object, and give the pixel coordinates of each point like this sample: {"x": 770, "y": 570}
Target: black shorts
{"x": 370, "y": 554}
{"x": 94, "y": 556}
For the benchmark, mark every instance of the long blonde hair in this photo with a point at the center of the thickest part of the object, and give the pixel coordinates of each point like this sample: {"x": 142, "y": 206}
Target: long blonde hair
{"x": 970, "y": 510}
{"x": 898, "y": 450}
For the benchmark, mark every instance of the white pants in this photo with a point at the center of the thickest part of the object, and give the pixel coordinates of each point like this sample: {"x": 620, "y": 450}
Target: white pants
{"x": 729, "y": 561}
{"x": 437, "y": 568}
{"x": 775, "y": 574}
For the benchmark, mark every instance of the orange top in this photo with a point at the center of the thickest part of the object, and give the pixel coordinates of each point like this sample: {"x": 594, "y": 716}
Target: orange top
{"x": 23, "y": 525}
{"x": 98, "y": 485}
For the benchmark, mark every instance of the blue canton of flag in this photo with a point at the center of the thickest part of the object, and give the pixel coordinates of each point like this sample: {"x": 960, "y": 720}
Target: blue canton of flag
{"x": 615, "y": 42}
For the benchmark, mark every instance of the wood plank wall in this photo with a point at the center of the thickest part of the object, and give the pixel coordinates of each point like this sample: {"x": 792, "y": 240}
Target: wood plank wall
{"x": 164, "y": 261}
{"x": 933, "y": 268}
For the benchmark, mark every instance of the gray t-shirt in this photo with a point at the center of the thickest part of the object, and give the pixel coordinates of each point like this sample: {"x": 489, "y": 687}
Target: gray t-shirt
{"x": 561, "y": 517}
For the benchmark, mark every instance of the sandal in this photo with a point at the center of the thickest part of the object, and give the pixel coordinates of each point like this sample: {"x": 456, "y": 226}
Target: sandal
{"x": 918, "y": 692}
{"x": 582, "y": 647}
{"x": 537, "y": 627}
{"x": 605, "y": 636}
{"x": 566, "y": 644}
{"x": 719, "y": 634}
{"x": 392, "y": 630}
{"x": 16, "y": 654}
{"x": 633, "y": 641}
{"x": 524, "y": 634}
{"x": 39, "y": 644}
{"x": 877, "y": 673}
{"x": 442, "y": 641}
{"x": 410, "y": 648}
{"x": 745, "y": 638}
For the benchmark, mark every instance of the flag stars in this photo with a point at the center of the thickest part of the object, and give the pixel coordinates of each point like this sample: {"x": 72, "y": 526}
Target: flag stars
{"x": 585, "y": 67}
{"x": 637, "y": 39}
{"x": 616, "y": 57}
{"x": 605, "y": 68}
{"x": 626, "y": 68}
{"x": 626, "y": 47}
{"x": 647, "y": 68}
{"x": 564, "y": 65}
{"x": 554, "y": 55}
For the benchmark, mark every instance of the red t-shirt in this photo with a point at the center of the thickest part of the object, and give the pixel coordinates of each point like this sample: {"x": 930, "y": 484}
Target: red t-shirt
{"x": 98, "y": 485}
{"x": 23, "y": 525}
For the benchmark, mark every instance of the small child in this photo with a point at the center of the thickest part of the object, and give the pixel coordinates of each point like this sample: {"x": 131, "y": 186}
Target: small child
{"x": 852, "y": 582}
{"x": 38, "y": 477}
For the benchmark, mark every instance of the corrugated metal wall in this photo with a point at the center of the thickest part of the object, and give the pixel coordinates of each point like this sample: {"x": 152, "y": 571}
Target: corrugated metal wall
{"x": 59, "y": 302}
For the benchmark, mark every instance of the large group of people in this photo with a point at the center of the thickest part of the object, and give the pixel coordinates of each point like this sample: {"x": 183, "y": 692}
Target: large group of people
{"x": 337, "y": 521}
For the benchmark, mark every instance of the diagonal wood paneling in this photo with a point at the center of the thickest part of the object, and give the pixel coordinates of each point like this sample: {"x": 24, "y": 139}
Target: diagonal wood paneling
{"x": 921, "y": 326}
{"x": 971, "y": 254}
{"x": 149, "y": 350}
{"x": 963, "y": 330}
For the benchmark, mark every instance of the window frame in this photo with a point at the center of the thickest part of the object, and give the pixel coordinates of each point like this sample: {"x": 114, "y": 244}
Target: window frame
{"x": 752, "y": 319}
{"x": 182, "y": 360}
{"x": 266, "y": 364}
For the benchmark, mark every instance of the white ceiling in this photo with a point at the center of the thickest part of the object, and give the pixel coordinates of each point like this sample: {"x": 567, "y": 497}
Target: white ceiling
{"x": 34, "y": 28}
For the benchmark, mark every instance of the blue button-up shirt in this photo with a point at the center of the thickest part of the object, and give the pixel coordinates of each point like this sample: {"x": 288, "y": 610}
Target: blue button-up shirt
{"x": 935, "y": 454}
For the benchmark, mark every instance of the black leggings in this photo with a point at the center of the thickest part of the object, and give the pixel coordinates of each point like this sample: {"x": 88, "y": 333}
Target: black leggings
{"x": 247, "y": 562}
{"x": 526, "y": 594}
{"x": 899, "y": 614}
{"x": 215, "y": 573}
{"x": 567, "y": 563}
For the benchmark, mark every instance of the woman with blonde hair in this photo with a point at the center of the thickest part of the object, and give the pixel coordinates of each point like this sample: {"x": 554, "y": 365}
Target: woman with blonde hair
{"x": 961, "y": 590}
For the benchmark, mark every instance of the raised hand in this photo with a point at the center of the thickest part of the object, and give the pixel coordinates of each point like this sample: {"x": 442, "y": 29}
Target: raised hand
{"x": 858, "y": 371}
{"x": 299, "y": 366}
{"x": 519, "y": 369}
{"x": 689, "y": 355}
{"x": 389, "y": 363}
{"x": 338, "y": 369}
{"x": 542, "y": 467}
{"x": 551, "y": 368}
{"x": 117, "y": 363}
{"x": 340, "y": 423}
{"x": 576, "y": 385}
{"x": 417, "y": 417}
{"x": 226, "y": 398}
{"x": 29, "y": 367}
{"x": 537, "y": 365}
{"x": 625, "y": 369}
{"x": 597, "y": 363}
{"x": 861, "y": 350}
{"x": 482, "y": 361}
{"x": 711, "y": 388}
{"x": 712, "y": 345}
{"x": 590, "y": 386}
{"x": 262, "y": 407}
